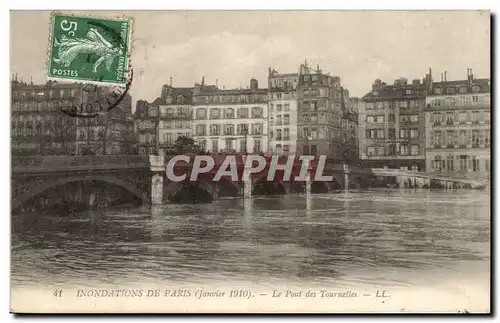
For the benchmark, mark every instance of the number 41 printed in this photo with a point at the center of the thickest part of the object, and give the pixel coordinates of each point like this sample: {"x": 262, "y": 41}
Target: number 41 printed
{"x": 57, "y": 293}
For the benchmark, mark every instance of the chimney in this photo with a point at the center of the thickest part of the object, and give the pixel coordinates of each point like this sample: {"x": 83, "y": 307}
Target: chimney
{"x": 441, "y": 77}
{"x": 170, "y": 80}
{"x": 202, "y": 80}
{"x": 254, "y": 84}
{"x": 445, "y": 76}
{"x": 217, "y": 83}
{"x": 470, "y": 76}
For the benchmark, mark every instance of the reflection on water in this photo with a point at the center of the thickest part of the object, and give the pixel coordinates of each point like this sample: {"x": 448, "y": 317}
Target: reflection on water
{"x": 379, "y": 237}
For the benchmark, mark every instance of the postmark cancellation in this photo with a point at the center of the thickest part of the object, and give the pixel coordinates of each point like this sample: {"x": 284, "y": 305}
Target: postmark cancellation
{"x": 91, "y": 50}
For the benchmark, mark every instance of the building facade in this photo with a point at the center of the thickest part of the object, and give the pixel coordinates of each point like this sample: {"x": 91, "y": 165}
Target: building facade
{"x": 176, "y": 117}
{"x": 320, "y": 111}
{"x": 457, "y": 118}
{"x": 146, "y": 124}
{"x": 392, "y": 124}
{"x": 230, "y": 121}
{"x": 283, "y": 132}
{"x": 38, "y": 127}
{"x": 108, "y": 134}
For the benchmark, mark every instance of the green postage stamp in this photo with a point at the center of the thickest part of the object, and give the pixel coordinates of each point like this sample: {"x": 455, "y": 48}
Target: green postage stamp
{"x": 89, "y": 49}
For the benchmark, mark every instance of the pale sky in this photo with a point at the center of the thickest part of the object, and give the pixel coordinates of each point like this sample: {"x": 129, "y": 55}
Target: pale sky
{"x": 233, "y": 46}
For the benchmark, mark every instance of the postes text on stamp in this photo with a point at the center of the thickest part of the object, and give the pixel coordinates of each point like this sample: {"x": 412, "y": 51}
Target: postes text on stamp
{"x": 89, "y": 49}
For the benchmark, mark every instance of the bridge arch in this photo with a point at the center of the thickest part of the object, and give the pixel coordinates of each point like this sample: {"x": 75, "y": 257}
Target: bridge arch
{"x": 40, "y": 188}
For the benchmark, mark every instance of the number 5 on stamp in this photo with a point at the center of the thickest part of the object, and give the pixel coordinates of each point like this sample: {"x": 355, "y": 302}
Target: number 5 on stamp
{"x": 89, "y": 49}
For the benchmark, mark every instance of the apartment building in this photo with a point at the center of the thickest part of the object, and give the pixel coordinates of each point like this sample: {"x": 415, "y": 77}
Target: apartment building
{"x": 457, "y": 120}
{"x": 230, "y": 120}
{"x": 283, "y": 133}
{"x": 392, "y": 124}
{"x": 321, "y": 109}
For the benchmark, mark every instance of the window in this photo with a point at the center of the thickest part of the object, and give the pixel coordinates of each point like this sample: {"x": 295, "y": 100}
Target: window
{"x": 463, "y": 89}
{"x": 286, "y": 119}
{"x": 370, "y": 151}
{"x": 278, "y": 134}
{"x": 214, "y": 113}
{"x": 313, "y": 107}
{"x": 450, "y": 135}
{"x": 380, "y": 151}
{"x": 463, "y": 163}
{"x": 153, "y": 112}
{"x": 257, "y": 129}
{"x": 436, "y": 163}
{"x": 201, "y": 130}
{"x": 279, "y": 107}
{"x": 475, "y": 138}
{"x": 279, "y": 120}
{"x": 256, "y": 112}
{"x": 403, "y": 104}
{"x": 229, "y": 113}
{"x": 414, "y": 118}
{"x": 243, "y": 145}
{"x": 379, "y": 119}
{"x": 414, "y": 133}
{"x": 403, "y": 133}
{"x": 370, "y": 119}
{"x": 415, "y": 150}
{"x": 392, "y": 118}
{"x": 450, "y": 163}
{"x": 436, "y": 118}
{"x": 215, "y": 145}
{"x": 462, "y": 117}
{"x": 286, "y": 134}
{"x": 475, "y": 117}
{"x": 392, "y": 150}
{"x": 142, "y": 151}
{"x": 392, "y": 133}
{"x": 201, "y": 113}
{"x": 287, "y": 107}
{"x": 169, "y": 100}
{"x": 437, "y": 90}
{"x": 449, "y": 118}
{"x": 403, "y": 150}
{"x": 243, "y": 113}
{"x": 256, "y": 146}
{"x": 313, "y": 150}
{"x": 449, "y": 90}
{"x": 487, "y": 117}
{"x": 229, "y": 144}
{"x": 408, "y": 91}
{"x": 462, "y": 139}
{"x": 475, "y": 164}
{"x": 242, "y": 129}
{"x": 214, "y": 130}
{"x": 180, "y": 99}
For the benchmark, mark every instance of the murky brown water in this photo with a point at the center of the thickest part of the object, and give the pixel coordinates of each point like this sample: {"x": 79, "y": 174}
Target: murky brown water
{"x": 376, "y": 237}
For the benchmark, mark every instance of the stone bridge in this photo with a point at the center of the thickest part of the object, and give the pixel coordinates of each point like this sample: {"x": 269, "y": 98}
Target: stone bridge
{"x": 33, "y": 175}
{"x": 146, "y": 176}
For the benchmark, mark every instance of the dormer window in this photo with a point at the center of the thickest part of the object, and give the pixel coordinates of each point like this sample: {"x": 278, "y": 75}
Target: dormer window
{"x": 408, "y": 92}
{"x": 463, "y": 89}
{"x": 169, "y": 100}
{"x": 180, "y": 99}
{"x": 475, "y": 88}
{"x": 437, "y": 90}
{"x": 449, "y": 90}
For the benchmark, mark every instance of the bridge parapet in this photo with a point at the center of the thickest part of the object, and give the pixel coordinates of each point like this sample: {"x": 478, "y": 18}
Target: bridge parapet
{"x": 27, "y": 164}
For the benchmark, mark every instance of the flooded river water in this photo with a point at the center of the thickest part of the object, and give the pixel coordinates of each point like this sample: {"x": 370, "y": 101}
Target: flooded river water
{"x": 376, "y": 237}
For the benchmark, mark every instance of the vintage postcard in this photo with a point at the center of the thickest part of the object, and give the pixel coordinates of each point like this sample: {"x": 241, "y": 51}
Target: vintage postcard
{"x": 250, "y": 162}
